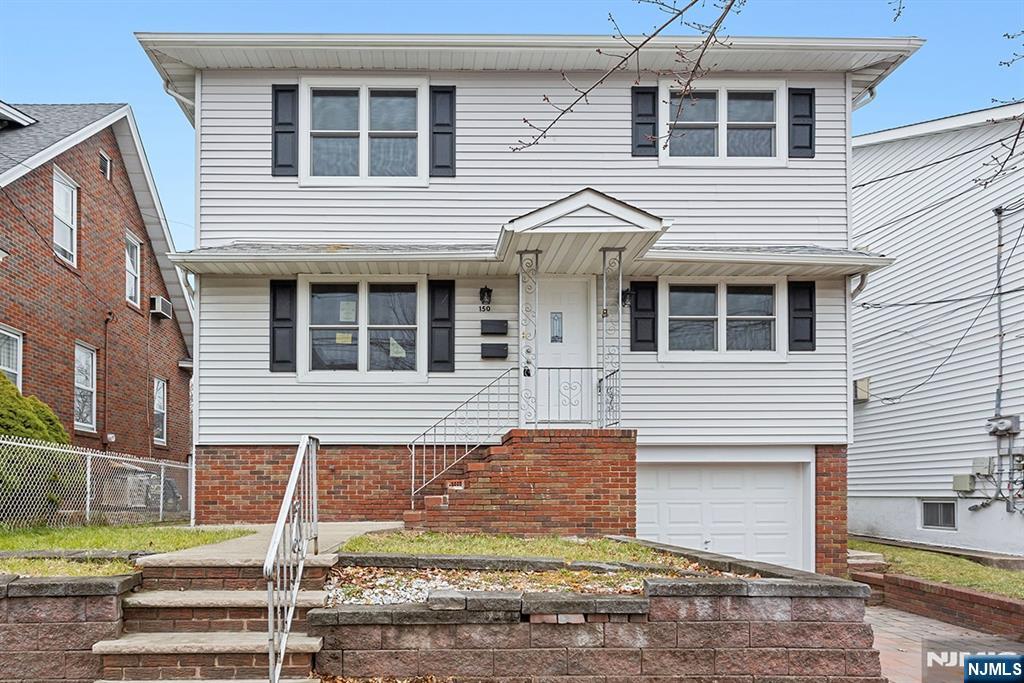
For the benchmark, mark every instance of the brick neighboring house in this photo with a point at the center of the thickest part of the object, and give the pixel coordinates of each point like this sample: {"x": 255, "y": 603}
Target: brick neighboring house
{"x": 83, "y": 249}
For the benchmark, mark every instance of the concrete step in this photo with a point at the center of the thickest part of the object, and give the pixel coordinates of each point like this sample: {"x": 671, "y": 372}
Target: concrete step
{"x": 200, "y": 656}
{"x": 200, "y": 644}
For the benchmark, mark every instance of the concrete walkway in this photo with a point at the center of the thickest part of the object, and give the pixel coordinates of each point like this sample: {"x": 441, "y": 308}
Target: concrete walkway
{"x": 249, "y": 551}
{"x": 899, "y": 636}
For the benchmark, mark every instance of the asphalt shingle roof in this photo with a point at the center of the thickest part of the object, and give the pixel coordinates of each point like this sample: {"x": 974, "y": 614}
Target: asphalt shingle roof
{"x": 54, "y": 122}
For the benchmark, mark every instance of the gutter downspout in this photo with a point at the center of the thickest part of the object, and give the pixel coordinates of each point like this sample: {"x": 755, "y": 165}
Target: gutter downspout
{"x": 1001, "y": 335}
{"x": 860, "y": 286}
{"x": 178, "y": 96}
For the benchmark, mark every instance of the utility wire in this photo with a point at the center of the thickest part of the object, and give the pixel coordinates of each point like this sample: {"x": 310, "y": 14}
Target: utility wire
{"x": 903, "y": 304}
{"x": 890, "y": 400}
{"x": 933, "y": 163}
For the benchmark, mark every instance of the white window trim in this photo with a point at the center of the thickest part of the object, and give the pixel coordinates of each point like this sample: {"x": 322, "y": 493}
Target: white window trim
{"x": 137, "y": 301}
{"x": 19, "y": 339}
{"x": 109, "y": 175}
{"x": 722, "y": 86}
{"x": 156, "y": 382}
{"x": 722, "y": 355}
{"x": 361, "y": 376}
{"x": 61, "y": 176}
{"x": 956, "y": 515}
{"x": 364, "y": 85}
{"x": 91, "y": 427}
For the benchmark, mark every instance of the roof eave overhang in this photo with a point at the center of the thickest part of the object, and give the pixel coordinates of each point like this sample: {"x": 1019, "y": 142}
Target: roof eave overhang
{"x": 850, "y": 265}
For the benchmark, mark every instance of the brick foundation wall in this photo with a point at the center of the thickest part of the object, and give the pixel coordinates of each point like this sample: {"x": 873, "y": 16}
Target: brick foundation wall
{"x": 722, "y": 638}
{"x": 55, "y": 305}
{"x": 548, "y": 481}
{"x": 830, "y": 521}
{"x": 984, "y": 612}
{"x": 49, "y": 625}
{"x": 245, "y": 483}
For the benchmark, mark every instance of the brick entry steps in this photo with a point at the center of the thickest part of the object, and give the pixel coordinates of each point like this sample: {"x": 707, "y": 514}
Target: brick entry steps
{"x": 551, "y": 481}
{"x": 207, "y": 622}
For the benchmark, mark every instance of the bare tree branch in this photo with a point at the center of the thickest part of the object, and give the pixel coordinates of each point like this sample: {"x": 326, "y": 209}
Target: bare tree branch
{"x": 635, "y": 46}
{"x": 999, "y": 162}
{"x": 897, "y": 9}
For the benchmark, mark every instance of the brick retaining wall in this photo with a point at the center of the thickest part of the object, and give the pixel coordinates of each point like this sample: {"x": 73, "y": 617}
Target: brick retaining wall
{"x": 984, "y": 612}
{"x": 790, "y": 631}
{"x": 49, "y": 625}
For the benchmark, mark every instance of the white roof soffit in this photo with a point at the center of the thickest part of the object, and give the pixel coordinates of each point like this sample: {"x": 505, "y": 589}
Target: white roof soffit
{"x": 177, "y": 56}
{"x": 981, "y": 117}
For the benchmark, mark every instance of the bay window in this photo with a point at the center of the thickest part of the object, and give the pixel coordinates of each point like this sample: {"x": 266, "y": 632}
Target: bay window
{"x": 354, "y": 132}
{"x": 727, "y": 122}
{"x": 368, "y": 329}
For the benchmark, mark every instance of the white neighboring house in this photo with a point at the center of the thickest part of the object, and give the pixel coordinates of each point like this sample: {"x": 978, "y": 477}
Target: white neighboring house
{"x": 371, "y": 254}
{"x": 917, "y": 198}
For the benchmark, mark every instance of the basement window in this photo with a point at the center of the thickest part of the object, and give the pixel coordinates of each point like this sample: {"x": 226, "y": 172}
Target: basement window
{"x": 938, "y": 514}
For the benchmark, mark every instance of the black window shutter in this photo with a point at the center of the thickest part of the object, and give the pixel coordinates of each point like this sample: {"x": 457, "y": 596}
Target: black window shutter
{"x": 441, "y": 350}
{"x": 643, "y": 322}
{"x": 801, "y": 123}
{"x": 645, "y": 121}
{"x": 285, "y": 130}
{"x": 801, "y": 316}
{"x": 282, "y": 325}
{"x": 442, "y": 131}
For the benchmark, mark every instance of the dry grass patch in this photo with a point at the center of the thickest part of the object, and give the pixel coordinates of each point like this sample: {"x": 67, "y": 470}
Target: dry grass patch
{"x": 48, "y": 567}
{"x": 146, "y": 538}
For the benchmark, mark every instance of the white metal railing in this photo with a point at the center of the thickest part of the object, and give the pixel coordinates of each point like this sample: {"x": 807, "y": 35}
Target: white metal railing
{"x": 44, "y": 483}
{"x": 297, "y": 525}
{"x": 584, "y": 396}
{"x": 477, "y": 421}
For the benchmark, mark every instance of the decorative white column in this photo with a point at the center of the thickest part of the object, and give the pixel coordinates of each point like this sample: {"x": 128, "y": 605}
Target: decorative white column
{"x": 611, "y": 331}
{"x": 529, "y": 305}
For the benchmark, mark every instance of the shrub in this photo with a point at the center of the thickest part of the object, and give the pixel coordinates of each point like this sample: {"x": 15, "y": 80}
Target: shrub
{"x": 55, "y": 431}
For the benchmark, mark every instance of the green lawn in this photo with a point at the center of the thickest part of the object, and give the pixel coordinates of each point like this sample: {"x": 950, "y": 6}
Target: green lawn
{"x": 37, "y": 567}
{"x": 434, "y": 543}
{"x": 144, "y": 538}
{"x": 947, "y": 569}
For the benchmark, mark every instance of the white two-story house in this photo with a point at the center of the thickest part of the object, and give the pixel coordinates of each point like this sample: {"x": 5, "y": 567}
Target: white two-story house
{"x": 374, "y": 256}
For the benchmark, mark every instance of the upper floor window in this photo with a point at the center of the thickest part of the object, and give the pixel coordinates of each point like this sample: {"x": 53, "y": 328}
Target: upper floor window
{"x": 85, "y": 388}
{"x": 132, "y": 269}
{"x": 65, "y": 216}
{"x": 160, "y": 411}
{"x": 10, "y": 355}
{"x": 106, "y": 165}
{"x": 732, "y": 123}
{"x": 354, "y": 132}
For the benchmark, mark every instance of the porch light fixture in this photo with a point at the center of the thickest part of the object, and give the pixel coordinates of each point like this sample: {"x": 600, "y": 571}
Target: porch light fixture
{"x": 485, "y": 296}
{"x": 627, "y": 298}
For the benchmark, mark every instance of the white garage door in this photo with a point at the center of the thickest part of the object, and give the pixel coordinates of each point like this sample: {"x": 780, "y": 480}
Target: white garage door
{"x": 753, "y": 511}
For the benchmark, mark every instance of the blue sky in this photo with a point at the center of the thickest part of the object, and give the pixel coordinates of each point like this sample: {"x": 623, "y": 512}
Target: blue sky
{"x": 81, "y": 51}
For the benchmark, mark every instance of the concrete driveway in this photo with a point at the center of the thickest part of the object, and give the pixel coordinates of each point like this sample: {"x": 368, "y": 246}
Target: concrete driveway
{"x": 898, "y": 638}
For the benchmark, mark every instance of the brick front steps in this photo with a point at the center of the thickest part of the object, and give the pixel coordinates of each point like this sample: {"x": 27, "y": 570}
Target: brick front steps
{"x": 546, "y": 481}
{"x": 218, "y": 577}
{"x": 985, "y": 612}
{"x": 226, "y": 655}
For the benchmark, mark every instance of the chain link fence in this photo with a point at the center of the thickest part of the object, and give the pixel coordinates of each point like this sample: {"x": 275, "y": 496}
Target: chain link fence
{"x": 52, "y": 484}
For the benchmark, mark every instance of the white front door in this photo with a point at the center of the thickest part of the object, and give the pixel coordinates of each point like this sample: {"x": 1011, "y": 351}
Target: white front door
{"x": 748, "y": 510}
{"x": 565, "y": 380}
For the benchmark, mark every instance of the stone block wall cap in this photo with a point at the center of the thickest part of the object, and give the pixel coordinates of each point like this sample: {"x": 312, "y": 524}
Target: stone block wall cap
{"x": 621, "y": 604}
{"x": 696, "y": 586}
{"x": 350, "y": 614}
{"x": 59, "y": 586}
{"x": 5, "y": 579}
{"x": 599, "y": 567}
{"x": 806, "y": 589}
{"x": 558, "y": 603}
{"x": 446, "y": 600}
{"x": 398, "y": 560}
{"x": 501, "y": 601}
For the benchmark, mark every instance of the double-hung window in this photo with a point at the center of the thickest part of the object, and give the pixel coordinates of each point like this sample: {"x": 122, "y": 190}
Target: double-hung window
{"x": 728, "y": 319}
{"x": 10, "y": 355}
{"x": 132, "y": 269}
{"x": 368, "y": 329}
{"x": 65, "y": 216}
{"x": 159, "y": 411}
{"x": 85, "y": 388}
{"x": 355, "y": 132}
{"x": 732, "y": 123}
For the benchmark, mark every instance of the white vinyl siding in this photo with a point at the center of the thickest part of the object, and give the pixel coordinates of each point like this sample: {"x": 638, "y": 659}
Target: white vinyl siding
{"x": 11, "y": 344}
{"x": 801, "y": 201}
{"x": 914, "y": 447}
{"x": 722, "y": 402}
{"x": 85, "y": 388}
